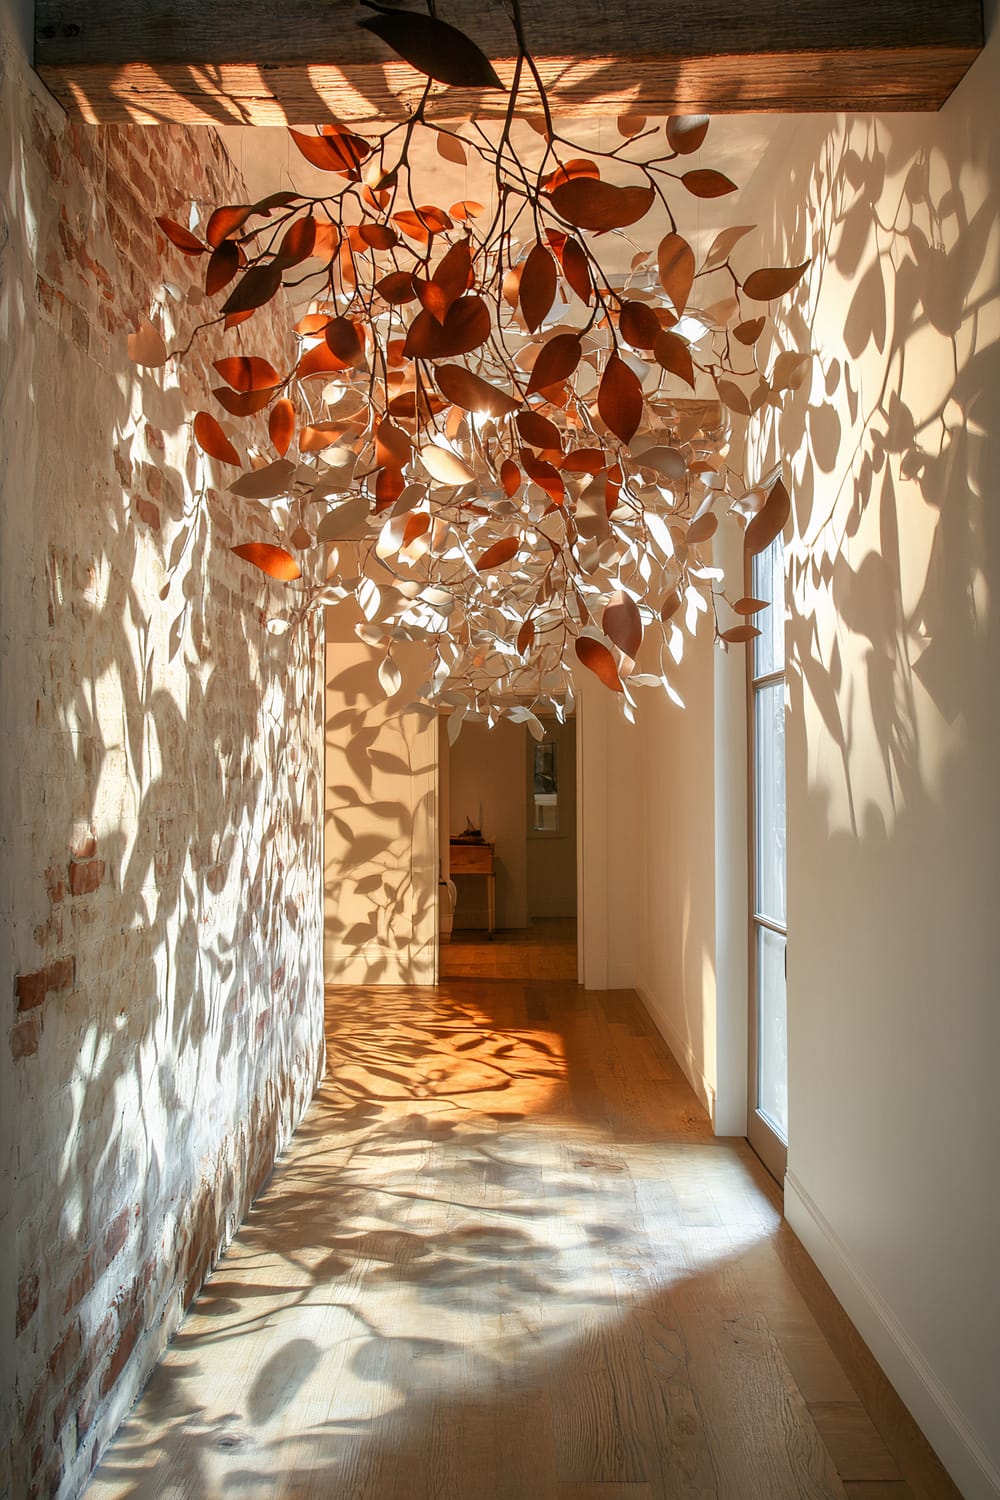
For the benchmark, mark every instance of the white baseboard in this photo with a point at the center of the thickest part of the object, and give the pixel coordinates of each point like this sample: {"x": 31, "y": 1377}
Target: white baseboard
{"x": 681, "y": 1051}
{"x": 918, "y": 1387}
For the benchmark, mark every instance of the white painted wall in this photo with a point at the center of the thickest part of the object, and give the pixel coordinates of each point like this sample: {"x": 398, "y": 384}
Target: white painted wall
{"x": 380, "y": 845}
{"x": 893, "y": 748}
{"x": 552, "y": 856}
{"x": 488, "y": 781}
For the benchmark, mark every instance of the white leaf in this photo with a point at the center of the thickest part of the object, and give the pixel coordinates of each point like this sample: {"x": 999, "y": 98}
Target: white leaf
{"x": 266, "y": 483}
{"x": 444, "y": 466}
{"x": 389, "y": 676}
{"x": 344, "y": 520}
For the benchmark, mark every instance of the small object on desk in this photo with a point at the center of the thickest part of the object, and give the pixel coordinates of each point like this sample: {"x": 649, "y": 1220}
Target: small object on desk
{"x": 476, "y": 857}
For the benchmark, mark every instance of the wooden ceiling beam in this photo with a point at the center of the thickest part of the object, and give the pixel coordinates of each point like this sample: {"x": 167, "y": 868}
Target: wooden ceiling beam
{"x": 305, "y": 61}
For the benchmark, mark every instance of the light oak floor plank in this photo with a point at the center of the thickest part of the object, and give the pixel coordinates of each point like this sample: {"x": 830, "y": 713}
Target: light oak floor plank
{"x": 506, "y": 1259}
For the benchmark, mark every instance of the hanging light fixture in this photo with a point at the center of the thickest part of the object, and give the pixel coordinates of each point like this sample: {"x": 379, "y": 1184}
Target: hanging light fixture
{"x": 500, "y": 449}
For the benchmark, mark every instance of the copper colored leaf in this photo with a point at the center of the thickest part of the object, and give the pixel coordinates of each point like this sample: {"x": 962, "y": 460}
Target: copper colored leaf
{"x": 737, "y": 634}
{"x": 542, "y": 473}
{"x": 703, "y": 529}
{"x": 622, "y": 624}
{"x": 389, "y": 485}
{"x": 247, "y": 373}
{"x": 232, "y": 320}
{"x": 591, "y": 204}
{"x": 706, "y": 182}
{"x": 320, "y": 360}
{"x": 212, "y": 440}
{"x": 451, "y": 148}
{"x": 472, "y": 393}
{"x": 674, "y": 354}
{"x": 181, "y": 237}
{"x": 281, "y": 425}
{"x": 724, "y": 243}
{"x": 750, "y": 331}
{"x": 242, "y": 403}
{"x": 526, "y": 637}
{"x": 223, "y": 263}
{"x": 538, "y": 430}
{"x": 466, "y": 209}
{"x": 274, "y": 561}
{"x": 397, "y": 287}
{"x": 225, "y": 221}
{"x": 266, "y": 206}
{"x": 538, "y": 286}
{"x": 501, "y": 552}
{"x": 465, "y": 328}
{"x": 146, "y": 346}
{"x": 639, "y": 325}
{"x": 453, "y": 272}
{"x": 630, "y": 125}
{"x": 335, "y": 150}
{"x": 769, "y": 521}
{"x": 434, "y": 48}
{"x": 675, "y": 266}
{"x": 773, "y": 281}
{"x": 556, "y": 361}
{"x": 577, "y": 166}
{"x": 392, "y": 446}
{"x": 687, "y": 132}
{"x": 257, "y": 287}
{"x": 301, "y": 538}
{"x": 599, "y": 660}
{"x": 510, "y": 477}
{"x": 585, "y": 461}
{"x": 576, "y": 269}
{"x": 670, "y": 605}
{"x": 344, "y": 341}
{"x": 619, "y": 398}
{"x": 298, "y": 241}
{"x": 378, "y": 236}
{"x": 749, "y": 606}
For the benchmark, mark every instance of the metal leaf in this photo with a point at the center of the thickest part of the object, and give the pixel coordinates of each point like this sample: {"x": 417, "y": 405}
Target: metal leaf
{"x": 598, "y": 659}
{"x": 281, "y": 425}
{"x": 434, "y": 48}
{"x": 590, "y": 204}
{"x": 675, "y": 265}
{"x": 622, "y": 624}
{"x": 257, "y": 287}
{"x": 212, "y": 440}
{"x": 556, "y": 362}
{"x": 773, "y": 281}
{"x": 146, "y": 346}
{"x": 451, "y": 148}
{"x": 769, "y": 521}
{"x": 248, "y": 373}
{"x": 189, "y": 243}
{"x": 687, "y": 132}
{"x": 538, "y": 286}
{"x": 274, "y": 561}
{"x": 444, "y": 466}
{"x": 706, "y": 182}
{"x": 501, "y": 552}
{"x": 619, "y": 398}
{"x": 738, "y": 634}
{"x": 267, "y": 483}
{"x": 674, "y": 354}
{"x": 389, "y": 676}
{"x": 724, "y": 243}
{"x": 472, "y": 393}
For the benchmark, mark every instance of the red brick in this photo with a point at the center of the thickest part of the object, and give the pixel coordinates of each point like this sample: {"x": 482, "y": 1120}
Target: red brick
{"x": 29, "y": 990}
{"x": 84, "y": 848}
{"x": 122, "y": 1352}
{"x": 66, "y": 1355}
{"x": 27, "y": 1300}
{"x": 115, "y": 1235}
{"x": 81, "y": 1283}
{"x": 24, "y": 1038}
{"x": 85, "y": 878}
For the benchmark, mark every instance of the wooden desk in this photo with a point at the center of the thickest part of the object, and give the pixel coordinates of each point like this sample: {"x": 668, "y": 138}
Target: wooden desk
{"x": 476, "y": 859}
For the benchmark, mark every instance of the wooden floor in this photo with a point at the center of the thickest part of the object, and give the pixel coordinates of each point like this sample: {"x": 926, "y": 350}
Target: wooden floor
{"x": 505, "y": 1259}
{"x": 543, "y": 951}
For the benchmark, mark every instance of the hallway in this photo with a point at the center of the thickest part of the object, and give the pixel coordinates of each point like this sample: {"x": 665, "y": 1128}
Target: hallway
{"x": 505, "y": 1257}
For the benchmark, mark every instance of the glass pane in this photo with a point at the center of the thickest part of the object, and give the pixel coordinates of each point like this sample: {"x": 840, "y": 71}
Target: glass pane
{"x": 769, "y": 802}
{"x": 772, "y": 1039}
{"x": 768, "y": 582}
{"x": 545, "y": 789}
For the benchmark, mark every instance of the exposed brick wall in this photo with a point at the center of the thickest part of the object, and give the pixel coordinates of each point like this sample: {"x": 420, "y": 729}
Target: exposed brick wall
{"x": 161, "y": 778}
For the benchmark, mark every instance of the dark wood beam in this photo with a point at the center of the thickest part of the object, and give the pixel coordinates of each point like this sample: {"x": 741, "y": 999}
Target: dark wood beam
{"x": 262, "y": 63}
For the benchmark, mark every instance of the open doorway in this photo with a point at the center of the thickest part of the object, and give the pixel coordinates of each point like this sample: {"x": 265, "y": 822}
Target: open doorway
{"x": 507, "y": 825}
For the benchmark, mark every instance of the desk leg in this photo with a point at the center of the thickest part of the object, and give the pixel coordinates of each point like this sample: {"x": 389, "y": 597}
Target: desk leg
{"x": 491, "y": 902}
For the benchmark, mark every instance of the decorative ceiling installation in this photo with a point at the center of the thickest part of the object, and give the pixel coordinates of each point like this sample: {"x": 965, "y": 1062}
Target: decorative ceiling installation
{"x": 498, "y": 450}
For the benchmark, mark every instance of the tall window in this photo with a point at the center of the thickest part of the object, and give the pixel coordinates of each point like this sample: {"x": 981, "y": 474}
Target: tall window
{"x": 545, "y": 788}
{"x": 768, "y": 1126}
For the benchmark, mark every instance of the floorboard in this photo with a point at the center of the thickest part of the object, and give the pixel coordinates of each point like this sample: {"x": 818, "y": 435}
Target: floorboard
{"x": 506, "y": 1259}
